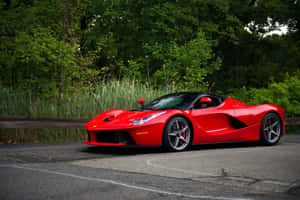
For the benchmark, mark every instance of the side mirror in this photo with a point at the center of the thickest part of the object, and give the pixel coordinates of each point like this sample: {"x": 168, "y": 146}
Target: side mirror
{"x": 141, "y": 101}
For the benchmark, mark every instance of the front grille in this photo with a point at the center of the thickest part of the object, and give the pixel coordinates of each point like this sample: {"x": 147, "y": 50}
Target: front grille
{"x": 114, "y": 137}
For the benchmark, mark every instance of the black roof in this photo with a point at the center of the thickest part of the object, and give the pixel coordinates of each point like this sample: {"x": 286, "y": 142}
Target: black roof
{"x": 194, "y": 97}
{"x": 199, "y": 94}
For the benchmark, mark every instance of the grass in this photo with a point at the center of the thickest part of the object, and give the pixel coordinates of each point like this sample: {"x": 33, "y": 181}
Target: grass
{"x": 122, "y": 94}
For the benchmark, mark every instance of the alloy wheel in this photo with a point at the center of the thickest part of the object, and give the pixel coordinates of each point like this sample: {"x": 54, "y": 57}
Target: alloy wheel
{"x": 179, "y": 134}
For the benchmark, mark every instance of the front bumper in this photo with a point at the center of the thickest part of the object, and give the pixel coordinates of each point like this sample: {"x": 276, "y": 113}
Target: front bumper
{"x": 140, "y": 135}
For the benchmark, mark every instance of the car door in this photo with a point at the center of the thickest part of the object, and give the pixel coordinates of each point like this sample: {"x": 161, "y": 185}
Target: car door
{"x": 213, "y": 124}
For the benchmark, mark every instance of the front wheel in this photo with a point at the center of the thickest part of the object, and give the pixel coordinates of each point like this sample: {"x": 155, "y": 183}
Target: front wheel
{"x": 271, "y": 129}
{"x": 177, "y": 134}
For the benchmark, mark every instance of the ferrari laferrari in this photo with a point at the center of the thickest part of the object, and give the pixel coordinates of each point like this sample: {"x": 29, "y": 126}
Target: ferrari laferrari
{"x": 177, "y": 121}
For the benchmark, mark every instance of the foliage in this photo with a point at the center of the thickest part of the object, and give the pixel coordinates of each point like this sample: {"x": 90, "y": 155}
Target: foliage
{"x": 162, "y": 41}
{"x": 188, "y": 65}
{"x": 52, "y": 51}
{"x": 44, "y": 61}
{"x": 38, "y": 53}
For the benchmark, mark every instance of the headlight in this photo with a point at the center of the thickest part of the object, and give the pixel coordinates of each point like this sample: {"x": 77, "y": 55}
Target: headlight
{"x": 145, "y": 119}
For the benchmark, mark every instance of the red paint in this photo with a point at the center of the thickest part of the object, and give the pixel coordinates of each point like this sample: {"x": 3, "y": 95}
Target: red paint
{"x": 103, "y": 143}
{"x": 206, "y": 100}
{"x": 210, "y": 125}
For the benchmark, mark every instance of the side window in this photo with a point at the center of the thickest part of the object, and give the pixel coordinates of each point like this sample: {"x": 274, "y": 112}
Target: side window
{"x": 198, "y": 105}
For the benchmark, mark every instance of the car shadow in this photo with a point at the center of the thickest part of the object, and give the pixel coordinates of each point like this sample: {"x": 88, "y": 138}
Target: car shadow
{"x": 136, "y": 150}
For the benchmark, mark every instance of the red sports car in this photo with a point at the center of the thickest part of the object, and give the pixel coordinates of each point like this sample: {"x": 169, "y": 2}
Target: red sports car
{"x": 179, "y": 120}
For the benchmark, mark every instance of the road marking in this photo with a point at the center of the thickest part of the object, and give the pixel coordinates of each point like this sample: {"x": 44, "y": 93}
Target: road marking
{"x": 125, "y": 184}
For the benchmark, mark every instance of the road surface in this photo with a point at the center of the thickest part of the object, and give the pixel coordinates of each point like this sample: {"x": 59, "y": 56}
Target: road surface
{"x": 220, "y": 172}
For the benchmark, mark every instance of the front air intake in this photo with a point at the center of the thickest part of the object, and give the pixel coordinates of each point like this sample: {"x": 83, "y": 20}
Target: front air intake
{"x": 119, "y": 137}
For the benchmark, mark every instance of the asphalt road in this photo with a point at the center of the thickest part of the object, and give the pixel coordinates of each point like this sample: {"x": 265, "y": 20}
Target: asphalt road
{"x": 221, "y": 172}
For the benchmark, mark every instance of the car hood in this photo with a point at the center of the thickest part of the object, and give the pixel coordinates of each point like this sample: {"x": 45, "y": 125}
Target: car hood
{"x": 118, "y": 118}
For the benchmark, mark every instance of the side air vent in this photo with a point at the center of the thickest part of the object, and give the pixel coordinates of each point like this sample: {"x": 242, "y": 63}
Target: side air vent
{"x": 237, "y": 124}
{"x": 89, "y": 136}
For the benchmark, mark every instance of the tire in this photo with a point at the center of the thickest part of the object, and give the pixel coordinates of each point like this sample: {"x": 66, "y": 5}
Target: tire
{"x": 178, "y": 135}
{"x": 270, "y": 129}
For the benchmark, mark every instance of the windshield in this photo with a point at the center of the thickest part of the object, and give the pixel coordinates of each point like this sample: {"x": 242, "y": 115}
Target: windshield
{"x": 171, "y": 101}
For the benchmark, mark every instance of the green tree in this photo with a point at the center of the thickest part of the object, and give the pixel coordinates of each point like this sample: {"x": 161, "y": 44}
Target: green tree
{"x": 40, "y": 47}
{"x": 188, "y": 65}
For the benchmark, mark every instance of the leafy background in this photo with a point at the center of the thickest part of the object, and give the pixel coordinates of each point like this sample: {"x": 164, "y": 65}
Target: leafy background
{"x": 77, "y": 58}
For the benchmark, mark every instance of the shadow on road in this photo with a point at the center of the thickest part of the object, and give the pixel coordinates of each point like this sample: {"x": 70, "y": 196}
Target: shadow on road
{"x": 136, "y": 150}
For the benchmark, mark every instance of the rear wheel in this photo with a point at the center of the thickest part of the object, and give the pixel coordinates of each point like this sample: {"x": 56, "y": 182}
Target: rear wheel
{"x": 177, "y": 134}
{"x": 271, "y": 129}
